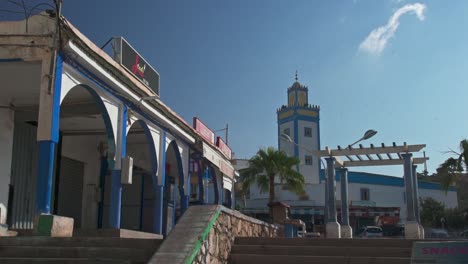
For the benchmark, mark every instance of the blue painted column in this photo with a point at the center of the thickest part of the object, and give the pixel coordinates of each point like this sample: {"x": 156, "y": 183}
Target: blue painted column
{"x": 216, "y": 185}
{"x": 186, "y": 198}
{"x": 45, "y": 168}
{"x": 185, "y": 203}
{"x": 45, "y": 176}
{"x": 116, "y": 174}
{"x": 183, "y": 200}
{"x": 416, "y": 194}
{"x": 158, "y": 209}
{"x": 116, "y": 199}
{"x": 201, "y": 193}
{"x": 408, "y": 176}
{"x": 206, "y": 184}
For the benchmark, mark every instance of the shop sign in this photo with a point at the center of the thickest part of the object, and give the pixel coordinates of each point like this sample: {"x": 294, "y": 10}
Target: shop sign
{"x": 223, "y": 147}
{"x": 203, "y": 130}
{"x": 211, "y": 155}
{"x": 363, "y": 203}
{"x": 130, "y": 59}
{"x": 449, "y": 252}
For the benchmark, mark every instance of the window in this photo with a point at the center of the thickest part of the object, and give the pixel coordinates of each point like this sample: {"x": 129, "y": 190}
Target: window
{"x": 365, "y": 195}
{"x": 307, "y": 132}
{"x": 308, "y": 160}
{"x": 286, "y": 131}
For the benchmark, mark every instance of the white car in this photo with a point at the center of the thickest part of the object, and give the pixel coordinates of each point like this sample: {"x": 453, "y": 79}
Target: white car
{"x": 371, "y": 231}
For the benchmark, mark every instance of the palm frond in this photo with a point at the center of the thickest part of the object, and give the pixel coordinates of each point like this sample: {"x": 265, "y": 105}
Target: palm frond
{"x": 448, "y": 171}
{"x": 263, "y": 183}
{"x": 269, "y": 163}
{"x": 464, "y": 152}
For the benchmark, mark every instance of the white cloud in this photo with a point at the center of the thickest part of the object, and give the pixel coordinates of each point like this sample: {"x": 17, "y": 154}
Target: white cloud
{"x": 377, "y": 40}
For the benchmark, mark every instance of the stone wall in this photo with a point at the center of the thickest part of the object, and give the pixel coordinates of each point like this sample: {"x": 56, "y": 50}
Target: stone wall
{"x": 206, "y": 233}
{"x": 229, "y": 225}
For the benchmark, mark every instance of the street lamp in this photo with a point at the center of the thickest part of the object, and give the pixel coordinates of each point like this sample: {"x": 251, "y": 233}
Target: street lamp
{"x": 369, "y": 133}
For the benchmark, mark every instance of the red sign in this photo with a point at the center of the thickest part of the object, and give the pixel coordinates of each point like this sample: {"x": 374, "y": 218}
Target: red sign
{"x": 223, "y": 147}
{"x": 203, "y": 130}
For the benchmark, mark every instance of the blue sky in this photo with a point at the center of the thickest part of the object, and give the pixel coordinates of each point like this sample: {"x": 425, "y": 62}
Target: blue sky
{"x": 232, "y": 61}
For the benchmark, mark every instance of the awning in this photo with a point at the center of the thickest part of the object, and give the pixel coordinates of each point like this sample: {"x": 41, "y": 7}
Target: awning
{"x": 307, "y": 211}
{"x": 227, "y": 183}
{"x": 221, "y": 163}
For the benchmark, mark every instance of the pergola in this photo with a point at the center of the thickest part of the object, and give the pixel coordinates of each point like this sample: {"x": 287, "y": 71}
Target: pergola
{"x": 342, "y": 158}
{"x": 372, "y": 156}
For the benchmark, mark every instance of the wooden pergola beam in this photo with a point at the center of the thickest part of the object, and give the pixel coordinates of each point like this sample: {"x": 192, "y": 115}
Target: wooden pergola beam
{"x": 385, "y": 162}
{"x": 364, "y": 151}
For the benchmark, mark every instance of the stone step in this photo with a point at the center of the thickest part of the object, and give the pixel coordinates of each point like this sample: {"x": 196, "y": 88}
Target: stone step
{"x": 132, "y": 254}
{"x": 322, "y": 251}
{"x": 401, "y": 243}
{"x": 81, "y": 242}
{"x": 281, "y": 259}
{"x": 62, "y": 261}
{"x": 113, "y": 232}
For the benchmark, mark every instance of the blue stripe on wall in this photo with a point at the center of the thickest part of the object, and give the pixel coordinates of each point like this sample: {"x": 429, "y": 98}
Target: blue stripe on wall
{"x": 378, "y": 179}
{"x": 298, "y": 117}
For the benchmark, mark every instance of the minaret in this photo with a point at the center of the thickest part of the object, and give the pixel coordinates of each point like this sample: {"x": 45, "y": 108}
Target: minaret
{"x": 300, "y": 121}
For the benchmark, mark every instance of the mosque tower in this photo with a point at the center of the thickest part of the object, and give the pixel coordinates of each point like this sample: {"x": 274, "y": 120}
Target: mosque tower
{"x": 301, "y": 122}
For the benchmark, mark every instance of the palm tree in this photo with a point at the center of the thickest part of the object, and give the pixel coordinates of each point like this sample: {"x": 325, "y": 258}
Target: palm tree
{"x": 454, "y": 167}
{"x": 270, "y": 163}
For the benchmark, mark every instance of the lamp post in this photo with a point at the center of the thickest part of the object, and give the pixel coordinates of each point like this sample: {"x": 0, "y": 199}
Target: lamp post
{"x": 345, "y": 229}
{"x": 287, "y": 138}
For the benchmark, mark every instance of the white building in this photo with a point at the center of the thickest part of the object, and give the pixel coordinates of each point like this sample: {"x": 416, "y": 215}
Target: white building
{"x": 72, "y": 118}
{"x": 370, "y": 195}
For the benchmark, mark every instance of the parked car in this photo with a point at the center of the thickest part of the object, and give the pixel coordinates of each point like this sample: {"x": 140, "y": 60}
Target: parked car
{"x": 371, "y": 231}
{"x": 393, "y": 230}
{"x": 436, "y": 233}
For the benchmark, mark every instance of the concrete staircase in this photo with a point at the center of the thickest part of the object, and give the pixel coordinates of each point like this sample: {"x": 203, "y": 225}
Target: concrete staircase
{"x": 318, "y": 251}
{"x": 74, "y": 250}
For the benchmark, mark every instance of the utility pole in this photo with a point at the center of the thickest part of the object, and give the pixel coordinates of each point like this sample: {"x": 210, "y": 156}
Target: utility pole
{"x": 226, "y": 129}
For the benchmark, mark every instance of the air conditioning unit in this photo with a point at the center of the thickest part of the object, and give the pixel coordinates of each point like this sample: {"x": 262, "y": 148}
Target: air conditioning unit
{"x": 127, "y": 170}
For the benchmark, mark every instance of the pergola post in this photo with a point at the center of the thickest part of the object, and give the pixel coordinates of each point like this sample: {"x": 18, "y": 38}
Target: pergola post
{"x": 325, "y": 211}
{"x": 332, "y": 227}
{"x": 416, "y": 201}
{"x": 412, "y": 226}
{"x": 346, "y": 230}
